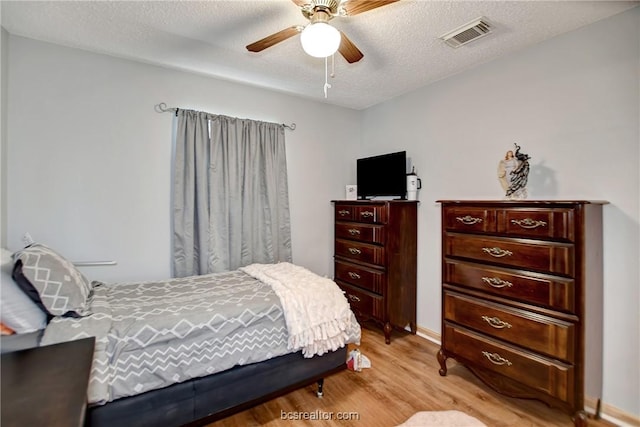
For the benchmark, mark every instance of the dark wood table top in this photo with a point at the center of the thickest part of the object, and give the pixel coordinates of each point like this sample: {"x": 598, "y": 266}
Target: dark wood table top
{"x": 46, "y": 386}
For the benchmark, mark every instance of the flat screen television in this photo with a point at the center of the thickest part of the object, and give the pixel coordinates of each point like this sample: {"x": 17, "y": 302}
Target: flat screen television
{"x": 383, "y": 176}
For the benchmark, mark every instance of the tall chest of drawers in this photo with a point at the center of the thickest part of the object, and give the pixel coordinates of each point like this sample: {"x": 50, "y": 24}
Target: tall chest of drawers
{"x": 375, "y": 260}
{"x": 522, "y": 297}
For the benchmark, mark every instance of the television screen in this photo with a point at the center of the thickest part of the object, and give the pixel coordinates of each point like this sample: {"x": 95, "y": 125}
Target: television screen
{"x": 382, "y": 176}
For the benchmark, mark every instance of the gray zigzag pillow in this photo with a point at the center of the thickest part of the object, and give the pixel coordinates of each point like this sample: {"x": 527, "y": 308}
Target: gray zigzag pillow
{"x": 63, "y": 290}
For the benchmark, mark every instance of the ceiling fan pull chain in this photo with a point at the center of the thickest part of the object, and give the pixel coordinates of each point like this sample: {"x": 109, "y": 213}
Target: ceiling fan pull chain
{"x": 327, "y": 86}
{"x": 333, "y": 66}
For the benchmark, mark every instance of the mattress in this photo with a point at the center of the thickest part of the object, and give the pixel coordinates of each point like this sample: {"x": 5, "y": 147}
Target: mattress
{"x": 153, "y": 334}
{"x": 150, "y": 335}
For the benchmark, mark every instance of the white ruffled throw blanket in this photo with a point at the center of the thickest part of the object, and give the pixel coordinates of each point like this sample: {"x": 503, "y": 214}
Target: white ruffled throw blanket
{"x": 316, "y": 311}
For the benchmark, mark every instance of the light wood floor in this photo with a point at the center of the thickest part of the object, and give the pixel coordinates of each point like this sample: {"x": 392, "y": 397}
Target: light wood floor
{"x": 403, "y": 379}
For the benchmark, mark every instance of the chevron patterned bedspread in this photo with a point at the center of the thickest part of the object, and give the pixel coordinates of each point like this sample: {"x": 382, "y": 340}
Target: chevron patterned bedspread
{"x": 153, "y": 334}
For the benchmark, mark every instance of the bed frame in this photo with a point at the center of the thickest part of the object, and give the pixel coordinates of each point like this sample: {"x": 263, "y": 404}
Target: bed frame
{"x": 203, "y": 400}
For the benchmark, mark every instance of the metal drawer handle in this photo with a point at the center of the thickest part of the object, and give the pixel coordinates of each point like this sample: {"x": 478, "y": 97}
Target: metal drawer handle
{"x": 354, "y": 275}
{"x": 354, "y": 231}
{"x": 528, "y": 223}
{"x": 343, "y": 212}
{"x": 496, "y": 282}
{"x": 469, "y": 220}
{"x": 367, "y": 214}
{"x": 496, "y": 322}
{"x": 354, "y": 298}
{"x": 355, "y": 251}
{"x": 496, "y": 359}
{"x": 497, "y": 252}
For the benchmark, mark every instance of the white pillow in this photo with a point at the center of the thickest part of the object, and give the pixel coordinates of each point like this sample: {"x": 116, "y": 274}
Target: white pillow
{"x": 17, "y": 311}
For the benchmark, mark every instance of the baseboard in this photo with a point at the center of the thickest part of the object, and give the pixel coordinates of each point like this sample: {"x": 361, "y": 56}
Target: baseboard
{"x": 611, "y": 413}
{"x": 428, "y": 334}
{"x": 608, "y": 412}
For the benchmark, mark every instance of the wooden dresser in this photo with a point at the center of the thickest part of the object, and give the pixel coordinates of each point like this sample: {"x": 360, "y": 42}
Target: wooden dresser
{"x": 522, "y": 297}
{"x": 375, "y": 260}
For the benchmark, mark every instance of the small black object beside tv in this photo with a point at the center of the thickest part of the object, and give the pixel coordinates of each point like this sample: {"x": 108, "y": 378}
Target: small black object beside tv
{"x": 383, "y": 176}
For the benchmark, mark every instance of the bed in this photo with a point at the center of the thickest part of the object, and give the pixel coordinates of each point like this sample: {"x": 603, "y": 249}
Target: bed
{"x": 196, "y": 349}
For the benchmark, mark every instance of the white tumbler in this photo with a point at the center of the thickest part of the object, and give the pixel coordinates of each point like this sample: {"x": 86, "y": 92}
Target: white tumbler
{"x": 413, "y": 185}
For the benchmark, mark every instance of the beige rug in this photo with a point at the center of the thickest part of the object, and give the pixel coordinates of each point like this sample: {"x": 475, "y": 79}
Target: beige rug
{"x": 441, "y": 419}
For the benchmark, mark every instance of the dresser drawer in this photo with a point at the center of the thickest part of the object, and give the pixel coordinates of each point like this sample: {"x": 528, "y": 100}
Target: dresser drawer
{"x": 557, "y": 223}
{"x": 344, "y": 212}
{"x": 362, "y": 303}
{"x": 362, "y": 277}
{"x": 538, "y": 372}
{"x": 371, "y": 214}
{"x": 539, "y": 333}
{"x": 358, "y": 251}
{"x": 527, "y": 254}
{"x": 533, "y": 288}
{"x": 363, "y": 232}
{"x": 469, "y": 219}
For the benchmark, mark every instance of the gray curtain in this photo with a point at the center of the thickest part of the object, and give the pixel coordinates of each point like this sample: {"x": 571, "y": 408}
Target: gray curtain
{"x": 231, "y": 202}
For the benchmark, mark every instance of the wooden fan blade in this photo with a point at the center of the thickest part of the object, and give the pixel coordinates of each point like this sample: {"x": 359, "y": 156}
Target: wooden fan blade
{"x": 273, "y": 39}
{"x": 300, "y": 2}
{"x": 349, "y": 50}
{"x": 354, "y": 7}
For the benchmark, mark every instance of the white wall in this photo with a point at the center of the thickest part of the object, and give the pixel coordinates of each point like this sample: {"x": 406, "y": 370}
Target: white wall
{"x": 89, "y": 171}
{"x": 572, "y": 103}
{"x": 4, "y": 55}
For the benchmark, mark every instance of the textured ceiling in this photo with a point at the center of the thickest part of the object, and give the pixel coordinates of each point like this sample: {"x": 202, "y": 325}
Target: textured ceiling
{"x": 400, "y": 41}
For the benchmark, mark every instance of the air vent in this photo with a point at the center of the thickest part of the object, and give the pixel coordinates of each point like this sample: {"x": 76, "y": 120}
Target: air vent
{"x": 467, "y": 33}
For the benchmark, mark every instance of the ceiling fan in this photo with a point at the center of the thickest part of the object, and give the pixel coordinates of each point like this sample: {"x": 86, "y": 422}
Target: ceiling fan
{"x": 319, "y": 13}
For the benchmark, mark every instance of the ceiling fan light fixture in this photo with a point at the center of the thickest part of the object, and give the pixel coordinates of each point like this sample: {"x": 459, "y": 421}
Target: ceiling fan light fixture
{"x": 320, "y": 39}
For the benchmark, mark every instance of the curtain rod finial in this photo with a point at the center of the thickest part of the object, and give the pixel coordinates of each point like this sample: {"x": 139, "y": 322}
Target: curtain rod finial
{"x": 162, "y": 108}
